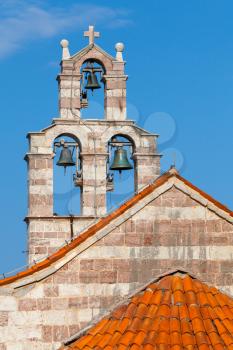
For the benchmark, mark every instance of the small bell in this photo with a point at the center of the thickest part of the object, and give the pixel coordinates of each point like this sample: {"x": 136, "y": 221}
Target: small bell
{"x": 92, "y": 82}
{"x": 65, "y": 158}
{"x": 120, "y": 161}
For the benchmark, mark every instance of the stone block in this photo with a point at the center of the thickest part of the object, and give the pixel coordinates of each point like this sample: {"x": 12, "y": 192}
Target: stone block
{"x": 85, "y": 315}
{"x": 102, "y": 264}
{"x": 44, "y": 304}
{"x": 25, "y": 318}
{"x": 8, "y": 303}
{"x": 60, "y": 303}
{"x": 60, "y": 317}
{"x": 47, "y": 334}
{"x": 87, "y": 264}
{"x": 51, "y": 290}
{"x": 89, "y": 276}
{"x": 27, "y": 304}
{"x": 78, "y": 302}
{"x": 108, "y": 276}
{"x": 65, "y": 277}
{"x": 134, "y": 239}
{"x": 60, "y": 333}
{"x": 3, "y": 319}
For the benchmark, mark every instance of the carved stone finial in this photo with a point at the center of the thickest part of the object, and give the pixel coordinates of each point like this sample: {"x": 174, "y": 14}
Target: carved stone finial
{"x": 91, "y": 34}
{"x": 119, "y": 49}
{"x": 65, "y": 49}
{"x": 173, "y": 170}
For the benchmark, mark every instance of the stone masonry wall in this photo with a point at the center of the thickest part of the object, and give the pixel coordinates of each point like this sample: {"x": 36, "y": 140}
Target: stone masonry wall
{"x": 172, "y": 231}
{"x": 46, "y": 235}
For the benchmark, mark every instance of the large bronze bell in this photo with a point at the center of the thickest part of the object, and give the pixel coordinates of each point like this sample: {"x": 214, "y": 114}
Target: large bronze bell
{"x": 92, "y": 82}
{"x": 65, "y": 158}
{"x": 120, "y": 161}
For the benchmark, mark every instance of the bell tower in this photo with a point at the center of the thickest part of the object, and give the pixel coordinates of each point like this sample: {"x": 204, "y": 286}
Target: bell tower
{"x": 88, "y": 149}
{"x": 113, "y": 76}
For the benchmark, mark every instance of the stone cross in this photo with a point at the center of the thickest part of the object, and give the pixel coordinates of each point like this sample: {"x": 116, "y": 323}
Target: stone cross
{"x": 92, "y": 34}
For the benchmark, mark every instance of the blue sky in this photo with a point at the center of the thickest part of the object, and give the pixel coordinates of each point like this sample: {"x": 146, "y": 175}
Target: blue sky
{"x": 180, "y": 64}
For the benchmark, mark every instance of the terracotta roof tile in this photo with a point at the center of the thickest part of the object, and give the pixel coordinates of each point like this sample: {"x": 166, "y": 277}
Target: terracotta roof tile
{"x": 186, "y": 326}
{"x": 206, "y": 324}
{"x": 166, "y": 298}
{"x": 191, "y": 297}
{"x": 179, "y": 298}
{"x": 175, "y": 311}
{"x": 174, "y": 325}
{"x": 183, "y": 312}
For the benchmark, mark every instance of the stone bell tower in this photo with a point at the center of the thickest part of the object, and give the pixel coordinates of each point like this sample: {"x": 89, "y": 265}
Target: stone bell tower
{"x": 46, "y": 231}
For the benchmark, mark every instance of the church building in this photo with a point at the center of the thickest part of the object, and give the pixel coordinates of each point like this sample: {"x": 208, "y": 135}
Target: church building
{"x": 156, "y": 273}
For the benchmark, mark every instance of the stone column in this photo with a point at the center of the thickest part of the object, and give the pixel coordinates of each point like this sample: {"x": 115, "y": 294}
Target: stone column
{"x": 147, "y": 169}
{"x": 115, "y": 97}
{"x": 40, "y": 184}
{"x": 69, "y": 94}
{"x": 93, "y": 196}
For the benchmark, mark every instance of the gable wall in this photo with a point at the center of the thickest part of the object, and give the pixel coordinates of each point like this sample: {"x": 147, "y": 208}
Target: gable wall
{"x": 170, "y": 232}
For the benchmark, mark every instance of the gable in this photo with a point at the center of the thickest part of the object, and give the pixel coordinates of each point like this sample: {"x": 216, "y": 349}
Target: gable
{"x": 176, "y": 204}
{"x": 169, "y": 188}
{"x": 148, "y": 236}
{"x": 170, "y": 231}
{"x": 93, "y": 51}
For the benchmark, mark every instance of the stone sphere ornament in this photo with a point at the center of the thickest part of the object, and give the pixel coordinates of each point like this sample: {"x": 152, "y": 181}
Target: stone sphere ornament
{"x": 65, "y": 50}
{"x": 119, "y": 47}
{"x": 64, "y": 43}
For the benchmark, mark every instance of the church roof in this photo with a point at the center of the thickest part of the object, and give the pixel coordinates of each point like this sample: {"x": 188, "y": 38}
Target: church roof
{"x": 171, "y": 175}
{"x": 175, "y": 312}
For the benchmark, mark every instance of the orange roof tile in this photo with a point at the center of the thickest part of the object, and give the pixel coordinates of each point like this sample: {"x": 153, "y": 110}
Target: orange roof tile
{"x": 105, "y": 221}
{"x": 175, "y": 325}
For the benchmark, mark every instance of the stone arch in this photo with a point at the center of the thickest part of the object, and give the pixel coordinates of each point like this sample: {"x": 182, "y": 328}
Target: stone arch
{"x": 71, "y": 135}
{"x": 94, "y": 60}
{"x": 125, "y": 131}
{"x": 128, "y": 137}
{"x": 74, "y": 131}
{"x": 96, "y": 55}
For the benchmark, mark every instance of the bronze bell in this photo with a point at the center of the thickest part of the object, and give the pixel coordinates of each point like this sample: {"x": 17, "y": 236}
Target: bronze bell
{"x": 65, "y": 158}
{"x": 92, "y": 82}
{"x": 120, "y": 161}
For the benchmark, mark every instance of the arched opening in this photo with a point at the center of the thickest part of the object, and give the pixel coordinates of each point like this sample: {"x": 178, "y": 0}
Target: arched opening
{"x": 121, "y": 170}
{"x": 92, "y": 89}
{"x": 67, "y": 167}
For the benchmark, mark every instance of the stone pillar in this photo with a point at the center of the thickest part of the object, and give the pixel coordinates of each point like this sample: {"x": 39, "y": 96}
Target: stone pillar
{"x": 147, "y": 169}
{"x": 69, "y": 91}
{"x": 40, "y": 184}
{"x": 115, "y": 93}
{"x": 93, "y": 196}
